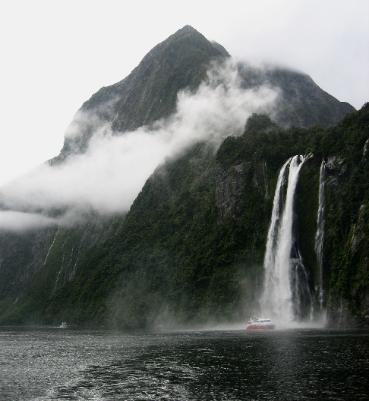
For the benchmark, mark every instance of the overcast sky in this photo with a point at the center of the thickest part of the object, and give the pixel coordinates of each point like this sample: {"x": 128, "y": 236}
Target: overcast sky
{"x": 56, "y": 53}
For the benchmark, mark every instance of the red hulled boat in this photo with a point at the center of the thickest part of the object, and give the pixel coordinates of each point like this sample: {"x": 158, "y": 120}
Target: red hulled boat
{"x": 260, "y": 324}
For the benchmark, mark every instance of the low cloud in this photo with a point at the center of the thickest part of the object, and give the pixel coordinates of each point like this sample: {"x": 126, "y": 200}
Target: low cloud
{"x": 20, "y": 221}
{"x": 110, "y": 174}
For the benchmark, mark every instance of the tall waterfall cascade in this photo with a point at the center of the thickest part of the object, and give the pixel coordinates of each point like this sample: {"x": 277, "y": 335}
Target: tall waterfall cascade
{"x": 286, "y": 293}
{"x": 319, "y": 236}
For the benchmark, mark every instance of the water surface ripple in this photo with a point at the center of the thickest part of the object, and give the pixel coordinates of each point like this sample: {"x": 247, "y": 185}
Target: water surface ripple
{"x": 52, "y": 364}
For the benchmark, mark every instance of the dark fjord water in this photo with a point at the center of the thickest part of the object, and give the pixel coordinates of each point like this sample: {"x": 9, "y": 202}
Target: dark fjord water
{"x": 52, "y": 364}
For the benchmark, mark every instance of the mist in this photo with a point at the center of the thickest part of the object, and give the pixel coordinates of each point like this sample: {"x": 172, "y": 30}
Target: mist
{"x": 110, "y": 174}
{"x": 21, "y": 221}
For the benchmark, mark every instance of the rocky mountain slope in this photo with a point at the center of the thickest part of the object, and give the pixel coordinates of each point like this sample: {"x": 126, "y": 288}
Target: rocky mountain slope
{"x": 191, "y": 247}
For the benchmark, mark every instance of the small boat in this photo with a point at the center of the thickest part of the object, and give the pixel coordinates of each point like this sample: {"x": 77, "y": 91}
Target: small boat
{"x": 63, "y": 325}
{"x": 260, "y": 324}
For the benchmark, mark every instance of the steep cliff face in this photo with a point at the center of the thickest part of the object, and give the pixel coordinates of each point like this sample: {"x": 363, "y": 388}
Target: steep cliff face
{"x": 20, "y": 258}
{"x": 191, "y": 247}
{"x": 36, "y": 266}
{"x": 348, "y": 199}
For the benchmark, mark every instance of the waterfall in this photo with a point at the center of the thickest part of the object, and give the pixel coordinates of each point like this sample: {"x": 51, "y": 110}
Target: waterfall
{"x": 285, "y": 282}
{"x": 319, "y": 236}
{"x": 269, "y": 256}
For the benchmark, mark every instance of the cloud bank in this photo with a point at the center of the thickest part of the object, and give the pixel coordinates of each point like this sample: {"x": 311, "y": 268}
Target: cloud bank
{"x": 111, "y": 173}
{"x": 20, "y": 221}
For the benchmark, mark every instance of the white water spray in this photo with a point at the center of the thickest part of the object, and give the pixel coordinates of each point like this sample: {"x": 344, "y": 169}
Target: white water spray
{"x": 281, "y": 262}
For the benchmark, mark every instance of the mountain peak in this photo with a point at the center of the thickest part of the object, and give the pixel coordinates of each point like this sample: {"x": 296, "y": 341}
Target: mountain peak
{"x": 187, "y": 42}
{"x": 189, "y": 32}
{"x": 187, "y": 29}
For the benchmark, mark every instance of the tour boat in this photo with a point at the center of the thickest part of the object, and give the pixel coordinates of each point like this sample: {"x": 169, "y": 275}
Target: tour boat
{"x": 260, "y": 324}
